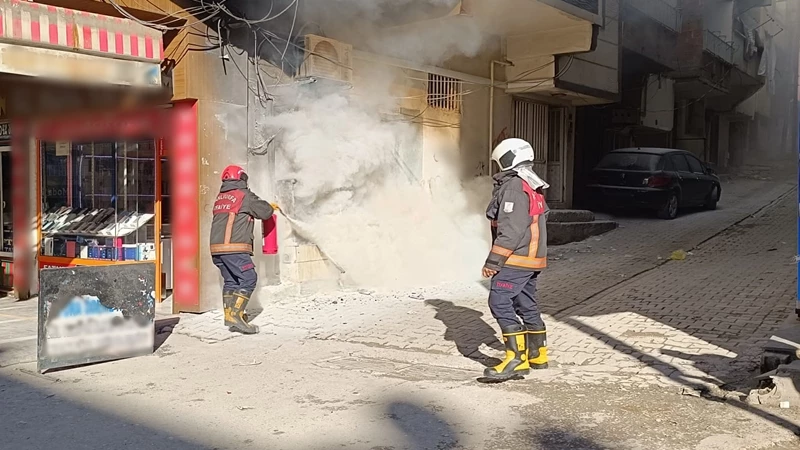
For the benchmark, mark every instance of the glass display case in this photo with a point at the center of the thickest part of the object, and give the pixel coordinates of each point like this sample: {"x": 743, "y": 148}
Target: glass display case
{"x": 6, "y": 226}
{"x": 99, "y": 201}
{"x": 7, "y": 231}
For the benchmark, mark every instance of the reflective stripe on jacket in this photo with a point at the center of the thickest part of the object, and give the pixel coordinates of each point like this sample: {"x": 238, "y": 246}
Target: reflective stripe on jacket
{"x": 235, "y": 211}
{"x": 519, "y": 225}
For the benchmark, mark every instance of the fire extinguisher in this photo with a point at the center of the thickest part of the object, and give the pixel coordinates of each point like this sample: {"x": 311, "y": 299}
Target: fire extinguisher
{"x": 269, "y": 230}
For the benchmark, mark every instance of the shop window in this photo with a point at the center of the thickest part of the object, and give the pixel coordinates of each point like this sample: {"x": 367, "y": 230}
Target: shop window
{"x": 99, "y": 200}
{"x": 6, "y": 224}
{"x": 7, "y": 232}
{"x": 166, "y": 197}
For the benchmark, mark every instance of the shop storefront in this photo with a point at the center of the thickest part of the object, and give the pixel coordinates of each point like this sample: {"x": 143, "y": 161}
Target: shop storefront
{"x": 94, "y": 133}
{"x": 6, "y": 228}
{"x": 104, "y": 195}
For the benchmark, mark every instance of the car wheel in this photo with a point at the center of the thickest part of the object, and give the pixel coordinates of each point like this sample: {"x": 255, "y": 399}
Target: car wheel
{"x": 713, "y": 198}
{"x": 669, "y": 210}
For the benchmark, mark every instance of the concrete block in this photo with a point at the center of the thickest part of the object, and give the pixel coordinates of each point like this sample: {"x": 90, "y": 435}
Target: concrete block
{"x": 570, "y": 215}
{"x": 560, "y": 233}
{"x": 308, "y": 252}
{"x": 771, "y": 361}
{"x": 300, "y": 272}
{"x": 784, "y": 389}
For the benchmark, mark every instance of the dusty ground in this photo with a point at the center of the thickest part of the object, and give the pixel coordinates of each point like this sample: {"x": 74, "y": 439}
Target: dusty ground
{"x": 204, "y": 397}
{"x": 635, "y": 339}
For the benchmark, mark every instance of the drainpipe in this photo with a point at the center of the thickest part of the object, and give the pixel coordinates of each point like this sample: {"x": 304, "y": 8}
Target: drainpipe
{"x": 491, "y": 110}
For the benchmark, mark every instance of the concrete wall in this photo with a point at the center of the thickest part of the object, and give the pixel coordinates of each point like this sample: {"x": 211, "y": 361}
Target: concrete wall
{"x": 644, "y": 36}
{"x": 598, "y": 70}
{"x": 723, "y": 143}
{"x": 718, "y": 17}
{"x": 690, "y": 42}
{"x": 475, "y": 148}
{"x": 658, "y": 103}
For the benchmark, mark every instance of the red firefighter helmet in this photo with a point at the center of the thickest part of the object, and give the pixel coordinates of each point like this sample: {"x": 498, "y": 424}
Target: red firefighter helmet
{"x": 233, "y": 173}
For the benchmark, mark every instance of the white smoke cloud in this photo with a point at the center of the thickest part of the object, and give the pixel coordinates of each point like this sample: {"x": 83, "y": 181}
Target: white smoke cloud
{"x": 355, "y": 193}
{"x": 367, "y": 24}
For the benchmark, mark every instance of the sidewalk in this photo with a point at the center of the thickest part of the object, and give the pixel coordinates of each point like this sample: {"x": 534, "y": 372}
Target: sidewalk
{"x": 17, "y": 331}
{"x": 614, "y": 304}
{"x": 378, "y": 370}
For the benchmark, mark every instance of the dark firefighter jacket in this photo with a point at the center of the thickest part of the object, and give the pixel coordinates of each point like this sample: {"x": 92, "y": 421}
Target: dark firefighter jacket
{"x": 235, "y": 210}
{"x": 519, "y": 225}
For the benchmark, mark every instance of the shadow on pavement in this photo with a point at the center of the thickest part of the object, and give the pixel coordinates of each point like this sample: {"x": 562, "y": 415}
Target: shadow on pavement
{"x": 466, "y": 328}
{"x": 163, "y": 330}
{"x": 33, "y": 419}
{"x": 675, "y": 373}
{"x": 422, "y": 428}
{"x": 425, "y": 430}
{"x": 562, "y": 440}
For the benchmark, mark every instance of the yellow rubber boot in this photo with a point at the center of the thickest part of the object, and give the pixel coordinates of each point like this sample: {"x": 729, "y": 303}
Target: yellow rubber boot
{"x": 515, "y": 365}
{"x": 537, "y": 348}
{"x": 227, "y": 305}
{"x": 240, "y": 300}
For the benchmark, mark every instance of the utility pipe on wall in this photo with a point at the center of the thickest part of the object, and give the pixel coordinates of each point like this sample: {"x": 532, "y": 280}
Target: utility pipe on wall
{"x": 491, "y": 110}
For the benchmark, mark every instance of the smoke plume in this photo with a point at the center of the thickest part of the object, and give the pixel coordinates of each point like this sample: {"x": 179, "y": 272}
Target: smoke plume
{"x": 359, "y": 187}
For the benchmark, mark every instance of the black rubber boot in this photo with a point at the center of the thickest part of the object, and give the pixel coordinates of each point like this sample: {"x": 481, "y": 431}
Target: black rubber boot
{"x": 537, "y": 347}
{"x": 227, "y": 307}
{"x": 515, "y": 365}
{"x": 240, "y": 300}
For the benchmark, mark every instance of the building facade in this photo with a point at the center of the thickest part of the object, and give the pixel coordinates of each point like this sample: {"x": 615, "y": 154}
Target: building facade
{"x": 577, "y": 78}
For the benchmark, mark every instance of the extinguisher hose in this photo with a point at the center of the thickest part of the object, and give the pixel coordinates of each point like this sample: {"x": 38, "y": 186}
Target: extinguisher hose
{"x": 302, "y": 229}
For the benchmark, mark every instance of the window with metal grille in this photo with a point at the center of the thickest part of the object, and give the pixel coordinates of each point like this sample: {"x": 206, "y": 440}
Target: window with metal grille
{"x": 444, "y": 93}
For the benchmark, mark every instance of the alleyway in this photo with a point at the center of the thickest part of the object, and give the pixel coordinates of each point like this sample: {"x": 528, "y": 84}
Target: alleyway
{"x": 636, "y": 339}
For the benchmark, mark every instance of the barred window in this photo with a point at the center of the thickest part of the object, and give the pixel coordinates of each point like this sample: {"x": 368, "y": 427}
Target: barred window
{"x": 444, "y": 93}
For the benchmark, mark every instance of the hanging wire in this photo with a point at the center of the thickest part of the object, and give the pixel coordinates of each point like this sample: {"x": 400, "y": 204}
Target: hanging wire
{"x": 266, "y": 18}
{"x": 211, "y": 11}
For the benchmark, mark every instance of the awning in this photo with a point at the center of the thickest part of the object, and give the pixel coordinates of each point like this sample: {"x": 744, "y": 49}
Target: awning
{"x": 57, "y": 43}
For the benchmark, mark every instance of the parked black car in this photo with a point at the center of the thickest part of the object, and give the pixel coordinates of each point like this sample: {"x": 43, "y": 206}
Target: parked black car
{"x": 656, "y": 178}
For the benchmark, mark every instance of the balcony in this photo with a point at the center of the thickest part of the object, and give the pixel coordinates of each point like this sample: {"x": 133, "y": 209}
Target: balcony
{"x": 718, "y": 46}
{"x": 747, "y": 62}
{"x": 591, "y": 10}
{"x": 660, "y": 11}
{"x": 593, "y": 6}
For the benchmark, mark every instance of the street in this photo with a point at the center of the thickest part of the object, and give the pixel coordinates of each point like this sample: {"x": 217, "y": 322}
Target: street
{"x": 647, "y": 352}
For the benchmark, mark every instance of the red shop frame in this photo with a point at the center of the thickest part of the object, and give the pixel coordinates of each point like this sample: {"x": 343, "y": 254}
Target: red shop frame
{"x": 175, "y": 130}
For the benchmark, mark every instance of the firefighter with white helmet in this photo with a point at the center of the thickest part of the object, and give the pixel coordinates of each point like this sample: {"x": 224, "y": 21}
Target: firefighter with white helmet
{"x": 518, "y": 214}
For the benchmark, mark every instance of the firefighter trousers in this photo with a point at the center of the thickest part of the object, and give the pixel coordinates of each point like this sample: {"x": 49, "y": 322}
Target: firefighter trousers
{"x": 238, "y": 271}
{"x": 513, "y": 297}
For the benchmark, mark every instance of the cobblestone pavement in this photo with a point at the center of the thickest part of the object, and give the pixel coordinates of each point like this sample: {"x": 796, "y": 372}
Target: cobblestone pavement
{"x": 615, "y": 305}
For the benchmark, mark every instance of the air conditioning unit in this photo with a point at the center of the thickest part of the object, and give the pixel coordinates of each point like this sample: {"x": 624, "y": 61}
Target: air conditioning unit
{"x": 328, "y": 59}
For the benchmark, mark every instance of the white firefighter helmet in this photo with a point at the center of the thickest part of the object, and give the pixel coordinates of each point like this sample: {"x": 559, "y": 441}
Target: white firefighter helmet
{"x": 512, "y": 152}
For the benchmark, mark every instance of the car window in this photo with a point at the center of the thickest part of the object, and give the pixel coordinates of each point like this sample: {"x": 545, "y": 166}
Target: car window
{"x": 680, "y": 163}
{"x": 666, "y": 164}
{"x": 695, "y": 165}
{"x": 629, "y": 161}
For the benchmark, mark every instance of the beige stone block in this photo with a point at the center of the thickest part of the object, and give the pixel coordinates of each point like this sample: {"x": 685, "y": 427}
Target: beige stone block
{"x": 290, "y": 272}
{"x": 314, "y": 270}
{"x": 308, "y": 252}
{"x": 300, "y": 272}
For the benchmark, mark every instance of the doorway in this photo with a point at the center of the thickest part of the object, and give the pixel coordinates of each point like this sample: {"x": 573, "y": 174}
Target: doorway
{"x": 545, "y": 128}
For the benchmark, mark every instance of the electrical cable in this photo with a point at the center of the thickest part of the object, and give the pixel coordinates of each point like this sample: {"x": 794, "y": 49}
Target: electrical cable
{"x": 291, "y": 30}
{"x": 266, "y": 18}
{"x": 214, "y": 11}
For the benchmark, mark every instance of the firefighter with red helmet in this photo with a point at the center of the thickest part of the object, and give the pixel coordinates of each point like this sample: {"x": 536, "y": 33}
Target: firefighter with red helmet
{"x": 235, "y": 211}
